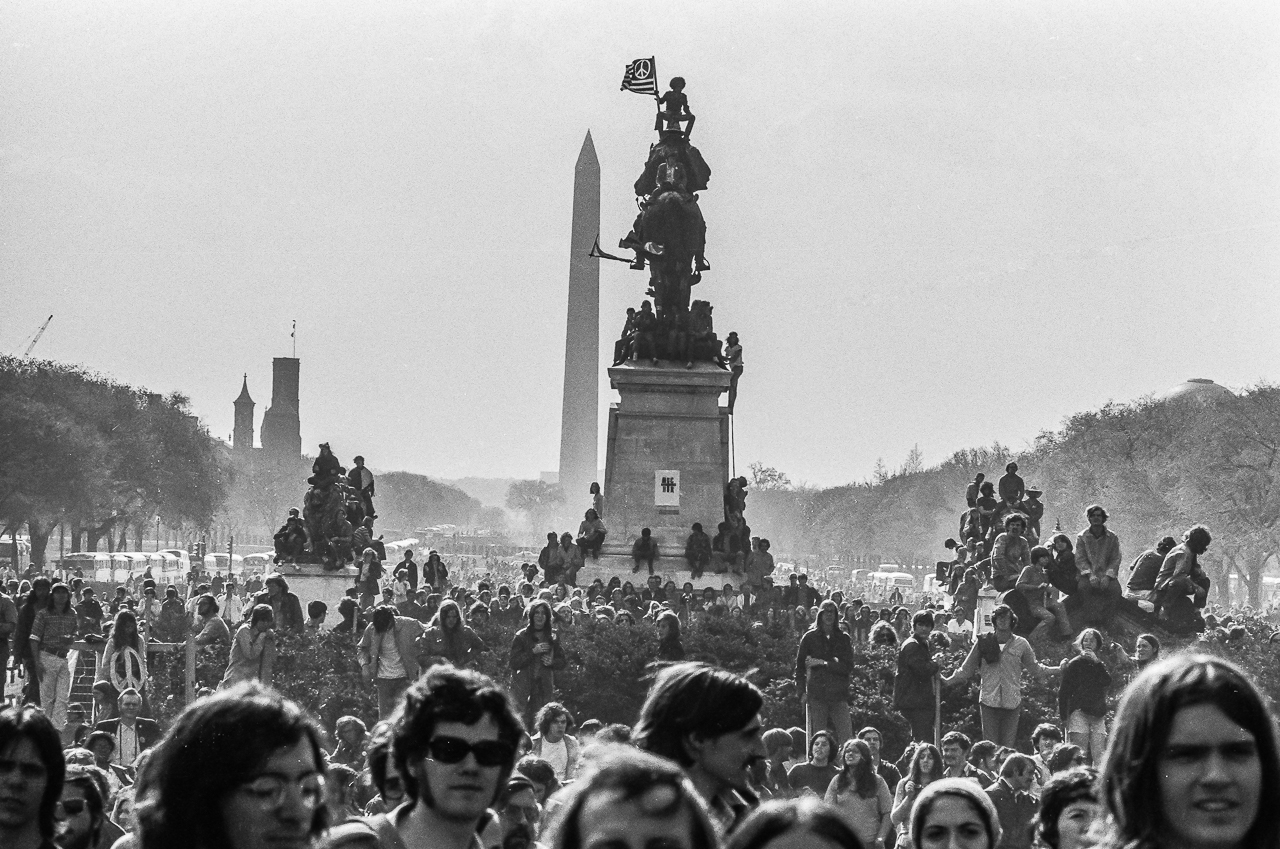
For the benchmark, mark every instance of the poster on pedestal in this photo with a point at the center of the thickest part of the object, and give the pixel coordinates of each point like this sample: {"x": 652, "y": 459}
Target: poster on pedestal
{"x": 666, "y": 490}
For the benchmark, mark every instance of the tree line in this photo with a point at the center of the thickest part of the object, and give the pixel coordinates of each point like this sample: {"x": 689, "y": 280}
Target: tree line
{"x": 1158, "y": 466}
{"x": 99, "y": 457}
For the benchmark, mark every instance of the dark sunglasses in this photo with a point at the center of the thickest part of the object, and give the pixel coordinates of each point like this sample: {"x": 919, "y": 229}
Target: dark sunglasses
{"x": 69, "y": 808}
{"x": 452, "y": 750}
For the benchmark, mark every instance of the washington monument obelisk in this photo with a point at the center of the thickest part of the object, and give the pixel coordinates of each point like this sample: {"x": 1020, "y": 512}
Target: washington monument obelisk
{"x": 579, "y": 418}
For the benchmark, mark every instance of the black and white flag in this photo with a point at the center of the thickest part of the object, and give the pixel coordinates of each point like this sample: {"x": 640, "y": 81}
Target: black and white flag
{"x": 641, "y": 77}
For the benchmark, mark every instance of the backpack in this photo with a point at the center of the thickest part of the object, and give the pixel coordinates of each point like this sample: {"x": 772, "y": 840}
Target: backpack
{"x": 989, "y": 648}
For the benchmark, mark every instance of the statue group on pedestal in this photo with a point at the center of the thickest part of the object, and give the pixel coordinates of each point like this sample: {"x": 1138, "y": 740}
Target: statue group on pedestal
{"x": 687, "y": 337}
{"x": 336, "y": 522}
{"x": 669, "y": 236}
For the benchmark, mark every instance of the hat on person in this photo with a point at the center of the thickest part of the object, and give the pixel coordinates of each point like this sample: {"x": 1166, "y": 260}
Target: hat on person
{"x": 965, "y": 788}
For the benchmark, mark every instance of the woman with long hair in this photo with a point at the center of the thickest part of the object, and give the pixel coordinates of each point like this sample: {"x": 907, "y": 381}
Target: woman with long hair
{"x": 35, "y": 597}
{"x": 237, "y": 768}
{"x": 862, "y": 796}
{"x": 451, "y": 640}
{"x": 670, "y": 649}
{"x": 353, "y": 742}
{"x": 926, "y": 768}
{"x": 1082, "y": 696}
{"x": 1146, "y": 650}
{"x": 535, "y": 655}
{"x": 1193, "y": 760}
{"x": 124, "y": 656}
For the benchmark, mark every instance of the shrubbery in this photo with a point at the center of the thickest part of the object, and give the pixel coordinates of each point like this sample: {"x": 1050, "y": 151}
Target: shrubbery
{"x": 608, "y": 667}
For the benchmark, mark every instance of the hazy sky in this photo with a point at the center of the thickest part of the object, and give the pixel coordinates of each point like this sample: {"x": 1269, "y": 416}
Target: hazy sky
{"x": 931, "y": 223}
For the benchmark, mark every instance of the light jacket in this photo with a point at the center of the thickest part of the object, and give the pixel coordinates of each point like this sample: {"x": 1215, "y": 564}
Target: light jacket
{"x": 572, "y": 748}
{"x": 1096, "y": 556}
{"x": 408, "y": 635}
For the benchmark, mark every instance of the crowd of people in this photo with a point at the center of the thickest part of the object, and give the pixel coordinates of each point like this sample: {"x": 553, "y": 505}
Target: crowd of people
{"x": 1192, "y": 763}
{"x": 454, "y": 757}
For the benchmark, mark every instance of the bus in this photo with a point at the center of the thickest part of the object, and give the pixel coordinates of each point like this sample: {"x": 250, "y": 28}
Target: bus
{"x": 882, "y": 585}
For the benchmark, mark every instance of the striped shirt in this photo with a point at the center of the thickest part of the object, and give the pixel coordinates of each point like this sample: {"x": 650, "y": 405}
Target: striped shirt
{"x": 55, "y": 632}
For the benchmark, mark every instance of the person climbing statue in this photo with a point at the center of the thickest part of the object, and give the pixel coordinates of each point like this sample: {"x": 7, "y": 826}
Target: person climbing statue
{"x": 733, "y": 353}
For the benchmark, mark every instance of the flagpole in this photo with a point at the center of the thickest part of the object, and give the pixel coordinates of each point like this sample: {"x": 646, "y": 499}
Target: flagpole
{"x": 293, "y": 334}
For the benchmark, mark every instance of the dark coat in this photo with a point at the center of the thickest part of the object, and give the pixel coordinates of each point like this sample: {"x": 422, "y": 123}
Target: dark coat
{"x": 1016, "y": 811}
{"x": 828, "y": 683}
{"x": 1084, "y": 687}
{"x": 913, "y": 685}
{"x": 291, "y": 618}
{"x": 148, "y": 730}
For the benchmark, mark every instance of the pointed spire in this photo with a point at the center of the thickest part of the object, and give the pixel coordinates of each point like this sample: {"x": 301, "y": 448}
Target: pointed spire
{"x": 587, "y": 155}
{"x": 244, "y": 391}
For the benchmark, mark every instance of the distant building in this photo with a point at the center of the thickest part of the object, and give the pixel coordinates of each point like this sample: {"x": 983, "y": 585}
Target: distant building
{"x": 1198, "y": 389}
{"x": 281, "y": 424}
{"x": 242, "y": 435}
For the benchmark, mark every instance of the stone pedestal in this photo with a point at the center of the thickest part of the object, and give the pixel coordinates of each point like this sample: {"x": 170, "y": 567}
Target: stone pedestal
{"x": 667, "y": 460}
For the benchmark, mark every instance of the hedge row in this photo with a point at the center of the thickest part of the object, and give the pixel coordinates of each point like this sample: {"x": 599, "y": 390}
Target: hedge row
{"x": 609, "y": 665}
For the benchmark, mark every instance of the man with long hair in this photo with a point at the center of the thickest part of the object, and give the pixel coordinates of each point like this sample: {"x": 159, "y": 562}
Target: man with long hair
{"x": 1193, "y": 760}
{"x": 535, "y": 655}
{"x": 707, "y": 720}
{"x": 53, "y": 633}
{"x": 553, "y": 743}
{"x": 31, "y": 773}
{"x": 388, "y": 653}
{"x": 239, "y": 769}
{"x": 824, "y": 661}
{"x": 455, "y": 737}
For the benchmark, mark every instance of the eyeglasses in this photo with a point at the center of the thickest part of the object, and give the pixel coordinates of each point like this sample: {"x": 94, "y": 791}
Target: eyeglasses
{"x": 69, "y": 808}
{"x": 269, "y": 790}
{"x": 452, "y": 750}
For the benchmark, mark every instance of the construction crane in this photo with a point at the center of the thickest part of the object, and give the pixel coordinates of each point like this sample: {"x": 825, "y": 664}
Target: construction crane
{"x": 39, "y": 333}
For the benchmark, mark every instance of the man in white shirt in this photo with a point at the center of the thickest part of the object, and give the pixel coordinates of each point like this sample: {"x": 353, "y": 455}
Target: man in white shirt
{"x": 232, "y": 606}
{"x": 553, "y": 743}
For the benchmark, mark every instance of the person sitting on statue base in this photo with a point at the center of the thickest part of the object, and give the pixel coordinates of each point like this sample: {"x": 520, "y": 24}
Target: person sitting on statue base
{"x": 591, "y": 534}
{"x": 326, "y": 469}
{"x": 291, "y": 540}
{"x": 623, "y": 348}
{"x": 645, "y": 326}
{"x": 697, "y": 551}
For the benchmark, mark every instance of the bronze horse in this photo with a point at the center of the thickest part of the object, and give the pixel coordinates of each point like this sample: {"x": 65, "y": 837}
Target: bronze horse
{"x": 675, "y": 234}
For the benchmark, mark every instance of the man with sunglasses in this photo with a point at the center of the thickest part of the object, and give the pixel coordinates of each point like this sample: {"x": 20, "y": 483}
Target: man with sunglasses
{"x": 80, "y": 813}
{"x": 454, "y": 744}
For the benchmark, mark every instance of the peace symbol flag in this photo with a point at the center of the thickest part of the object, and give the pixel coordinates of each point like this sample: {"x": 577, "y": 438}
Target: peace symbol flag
{"x": 641, "y": 77}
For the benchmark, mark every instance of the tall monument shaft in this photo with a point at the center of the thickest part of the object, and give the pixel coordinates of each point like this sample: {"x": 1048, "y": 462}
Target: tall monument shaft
{"x": 580, "y": 411}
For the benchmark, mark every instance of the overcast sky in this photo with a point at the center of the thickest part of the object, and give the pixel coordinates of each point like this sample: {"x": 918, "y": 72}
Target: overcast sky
{"x": 939, "y": 223}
